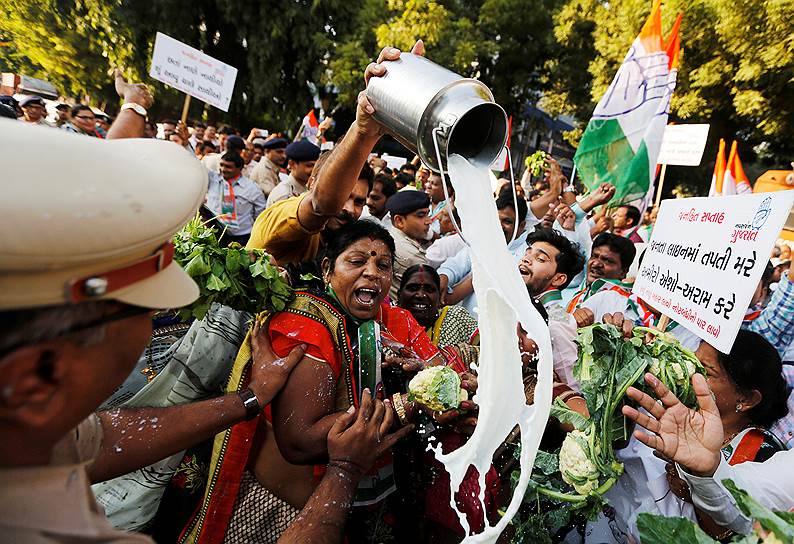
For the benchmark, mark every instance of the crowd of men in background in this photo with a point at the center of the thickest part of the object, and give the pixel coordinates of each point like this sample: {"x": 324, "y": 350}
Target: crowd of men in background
{"x": 577, "y": 254}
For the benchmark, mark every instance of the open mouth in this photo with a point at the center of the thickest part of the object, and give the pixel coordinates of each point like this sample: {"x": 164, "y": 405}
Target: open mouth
{"x": 420, "y": 307}
{"x": 524, "y": 270}
{"x": 366, "y": 297}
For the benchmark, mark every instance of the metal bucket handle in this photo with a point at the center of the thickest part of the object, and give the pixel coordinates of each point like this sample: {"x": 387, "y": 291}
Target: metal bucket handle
{"x": 446, "y": 192}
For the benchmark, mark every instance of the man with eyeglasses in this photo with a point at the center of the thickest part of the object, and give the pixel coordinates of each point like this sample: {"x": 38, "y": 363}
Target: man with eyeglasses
{"x": 77, "y": 293}
{"x": 83, "y": 122}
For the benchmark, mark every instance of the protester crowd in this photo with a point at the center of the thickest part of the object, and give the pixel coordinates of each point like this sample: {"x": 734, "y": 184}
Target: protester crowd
{"x": 318, "y": 441}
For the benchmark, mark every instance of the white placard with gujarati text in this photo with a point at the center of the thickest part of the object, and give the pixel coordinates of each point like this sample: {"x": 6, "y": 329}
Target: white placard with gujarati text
{"x": 189, "y": 70}
{"x": 705, "y": 259}
{"x": 682, "y": 145}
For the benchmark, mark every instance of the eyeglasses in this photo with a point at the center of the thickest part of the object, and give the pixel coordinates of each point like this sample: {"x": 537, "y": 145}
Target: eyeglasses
{"x": 86, "y": 117}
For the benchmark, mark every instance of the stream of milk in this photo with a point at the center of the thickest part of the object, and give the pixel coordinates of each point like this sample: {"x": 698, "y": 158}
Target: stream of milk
{"x": 503, "y": 302}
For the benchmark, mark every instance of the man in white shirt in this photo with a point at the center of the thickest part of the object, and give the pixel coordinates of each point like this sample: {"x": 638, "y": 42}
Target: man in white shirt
{"x": 382, "y": 189}
{"x": 549, "y": 264}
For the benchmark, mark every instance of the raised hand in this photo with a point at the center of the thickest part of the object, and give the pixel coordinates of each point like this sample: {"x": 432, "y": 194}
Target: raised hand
{"x": 690, "y": 438}
{"x": 365, "y": 111}
{"x": 554, "y": 176}
{"x": 564, "y": 215}
{"x": 137, "y": 93}
{"x": 269, "y": 372}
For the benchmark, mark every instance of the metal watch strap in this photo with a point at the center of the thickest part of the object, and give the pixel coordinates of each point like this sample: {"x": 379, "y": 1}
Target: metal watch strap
{"x": 137, "y": 108}
{"x": 250, "y": 402}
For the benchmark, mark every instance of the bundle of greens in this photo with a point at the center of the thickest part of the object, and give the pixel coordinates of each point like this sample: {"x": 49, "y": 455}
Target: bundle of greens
{"x": 536, "y": 162}
{"x": 243, "y": 279}
{"x": 770, "y": 527}
{"x": 586, "y": 466}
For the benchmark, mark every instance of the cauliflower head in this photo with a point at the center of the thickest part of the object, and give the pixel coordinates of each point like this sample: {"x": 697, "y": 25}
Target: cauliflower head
{"x": 437, "y": 387}
{"x": 575, "y": 465}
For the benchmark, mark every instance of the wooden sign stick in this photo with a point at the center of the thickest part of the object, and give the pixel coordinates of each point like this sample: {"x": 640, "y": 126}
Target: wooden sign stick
{"x": 185, "y": 109}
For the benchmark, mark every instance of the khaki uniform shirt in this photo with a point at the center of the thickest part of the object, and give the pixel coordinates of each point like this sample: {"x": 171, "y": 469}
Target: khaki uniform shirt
{"x": 286, "y": 189}
{"x": 408, "y": 253}
{"x": 265, "y": 174}
{"x": 54, "y": 503}
{"x": 278, "y": 231}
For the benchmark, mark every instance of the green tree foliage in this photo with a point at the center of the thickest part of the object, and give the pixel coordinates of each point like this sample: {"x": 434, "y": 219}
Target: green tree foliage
{"x": 70, "y": 43}
{"x": 736, "y": 66}
{"x": 504, "y": 43}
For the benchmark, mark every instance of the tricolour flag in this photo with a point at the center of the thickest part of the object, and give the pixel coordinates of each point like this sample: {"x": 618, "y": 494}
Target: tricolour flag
{"x": 621, "y": 142}
{"x": 718, "y": 176}
{"x": 310, "y": 127}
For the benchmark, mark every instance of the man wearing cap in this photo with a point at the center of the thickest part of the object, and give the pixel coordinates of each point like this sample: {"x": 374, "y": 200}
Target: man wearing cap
{"x": 34, "y": 111}
{"x": 265, "y": 174}
{"x": 235, "y": 199}
{"x": 62, "y": 113}
{"x": 76, "y": 305}
{"x": 234, "y": 144}
{"x": 292, "y": 230}
{"x": 410, "y": 217}
{"x": 301, "y": 157}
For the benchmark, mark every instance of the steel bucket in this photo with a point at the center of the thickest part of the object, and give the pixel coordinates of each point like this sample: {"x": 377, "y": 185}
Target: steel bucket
{"x": 435, "y": 112}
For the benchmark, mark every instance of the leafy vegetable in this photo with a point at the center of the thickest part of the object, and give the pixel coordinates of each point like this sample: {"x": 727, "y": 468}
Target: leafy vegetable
{"x": 608, "y": 365}
{"x": 243, "y": 279}
{"x": 770, "y": 528}
{"x": 536, "y": 162}
{"x": 661, "y": 530}
{"x": 437, "y": 387}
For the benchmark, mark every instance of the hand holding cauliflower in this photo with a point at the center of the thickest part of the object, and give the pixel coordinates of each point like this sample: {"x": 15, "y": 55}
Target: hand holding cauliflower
{"x": 437, "y": 388}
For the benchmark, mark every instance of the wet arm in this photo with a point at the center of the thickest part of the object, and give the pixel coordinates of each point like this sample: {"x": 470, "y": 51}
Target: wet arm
{"x": 135, "y": 438}
{"x": 304, "y": 412}
{"x": 322, "y": 520}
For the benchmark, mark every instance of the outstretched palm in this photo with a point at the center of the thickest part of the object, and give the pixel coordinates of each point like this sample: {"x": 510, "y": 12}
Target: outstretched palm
{"x": 691, "y": 438}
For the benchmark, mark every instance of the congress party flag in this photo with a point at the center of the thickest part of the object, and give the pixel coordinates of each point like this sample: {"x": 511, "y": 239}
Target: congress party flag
{"x": 622, "y": 140}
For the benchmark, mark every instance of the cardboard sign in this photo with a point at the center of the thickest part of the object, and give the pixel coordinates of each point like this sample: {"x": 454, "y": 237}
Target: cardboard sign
{"x": 182, "y": 67}
{"x": 682, "y": 145}
{"x": 705, "y": 259}
{"x": 393, "y": 161}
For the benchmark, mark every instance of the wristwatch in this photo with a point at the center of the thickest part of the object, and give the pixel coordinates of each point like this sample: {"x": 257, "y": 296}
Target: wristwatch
{"x": 250, "y": 402}
{"x": 137, "y": 108}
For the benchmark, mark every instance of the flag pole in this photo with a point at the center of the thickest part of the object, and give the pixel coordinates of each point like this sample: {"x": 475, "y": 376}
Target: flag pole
{"x": 661, "y": 185}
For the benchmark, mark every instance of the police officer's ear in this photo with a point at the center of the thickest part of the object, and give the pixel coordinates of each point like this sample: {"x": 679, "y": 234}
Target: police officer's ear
{"x": 31, "y": 378}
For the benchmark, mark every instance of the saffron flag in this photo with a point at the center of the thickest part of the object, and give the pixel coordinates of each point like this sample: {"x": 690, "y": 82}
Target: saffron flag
{"x": 719, "y": 171}
{"x": 736, "y": 182}
{"x": 729, "y": 177}
{"x": 622, "y": 140}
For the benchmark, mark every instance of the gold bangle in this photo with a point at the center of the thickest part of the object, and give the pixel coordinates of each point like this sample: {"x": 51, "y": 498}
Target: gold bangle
{"x": 399, "y": 407}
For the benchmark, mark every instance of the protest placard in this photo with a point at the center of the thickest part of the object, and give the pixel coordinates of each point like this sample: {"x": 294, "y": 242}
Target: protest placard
{"x": 705, "y": 259}
{"x": 682, "y": 145}
{"x": 393, "y": 162}
{"x": 182, "y": 67}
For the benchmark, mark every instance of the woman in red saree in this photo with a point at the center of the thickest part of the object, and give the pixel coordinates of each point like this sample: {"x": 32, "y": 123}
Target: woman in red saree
{"x": 262, "y": 472}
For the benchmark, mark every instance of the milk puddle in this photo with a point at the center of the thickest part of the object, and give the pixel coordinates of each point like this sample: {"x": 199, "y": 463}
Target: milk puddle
{"x": 503, "y": 302}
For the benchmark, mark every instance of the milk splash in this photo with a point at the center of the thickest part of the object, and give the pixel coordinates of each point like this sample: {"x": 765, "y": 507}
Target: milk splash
{"x": 503, "y": 301}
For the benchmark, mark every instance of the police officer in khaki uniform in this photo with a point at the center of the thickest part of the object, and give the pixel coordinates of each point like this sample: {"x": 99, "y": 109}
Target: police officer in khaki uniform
{"x": 86, "y": 258}
{"x": 266, "y": 173}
